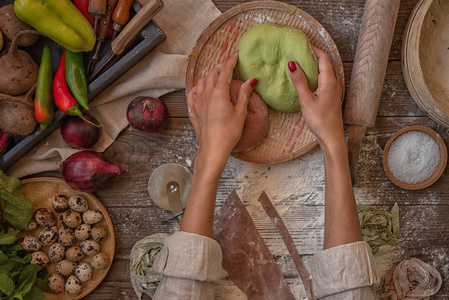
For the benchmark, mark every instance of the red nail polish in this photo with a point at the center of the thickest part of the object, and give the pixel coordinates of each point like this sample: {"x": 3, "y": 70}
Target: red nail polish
{"x": 292, "y": 66}
{"x": 253, "y": 82}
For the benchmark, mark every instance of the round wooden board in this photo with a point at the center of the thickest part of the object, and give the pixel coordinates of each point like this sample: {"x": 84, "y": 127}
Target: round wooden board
{"x": 288, "y": 136}
{"x": 40, "y": 191}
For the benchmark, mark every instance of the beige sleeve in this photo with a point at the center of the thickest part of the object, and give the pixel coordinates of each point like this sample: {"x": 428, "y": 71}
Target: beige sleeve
{"x": 190, "y": 264}
{"x": 344, "y": 272}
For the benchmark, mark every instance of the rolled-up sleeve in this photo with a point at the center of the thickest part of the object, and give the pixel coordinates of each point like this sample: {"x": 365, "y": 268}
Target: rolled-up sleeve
{"x": 190, "y": 264}
{"x": 344, "y": 272}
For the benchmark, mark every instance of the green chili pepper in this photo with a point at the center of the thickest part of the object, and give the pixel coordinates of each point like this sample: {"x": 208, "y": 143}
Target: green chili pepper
{"x": 43, "y": 99}
{"x": 60, "y": 20}
{"x": 76, "y": 77}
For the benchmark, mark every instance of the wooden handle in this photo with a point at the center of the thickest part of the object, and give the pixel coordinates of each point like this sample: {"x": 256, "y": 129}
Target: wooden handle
{"x": 370, "y": 64}
{"x": 97, "y": 8}
{"x": 104, "y": 24}
{"x": 121, "y": 12}
{"x": 135, "y": 25}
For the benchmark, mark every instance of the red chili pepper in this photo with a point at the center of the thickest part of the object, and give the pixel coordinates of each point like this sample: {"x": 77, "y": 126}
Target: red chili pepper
{"x": 83, "y": 7}
{"x": 61, "y": 93}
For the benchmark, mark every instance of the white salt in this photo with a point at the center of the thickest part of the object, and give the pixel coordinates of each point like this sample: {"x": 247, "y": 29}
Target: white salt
{"x": 413, "y": 157}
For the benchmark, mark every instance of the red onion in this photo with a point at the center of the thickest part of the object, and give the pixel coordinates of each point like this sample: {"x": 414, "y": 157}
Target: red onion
{"x": 147, "y": 114}
{"x": 80, "y": 134}
{"x": 88, "y": 170}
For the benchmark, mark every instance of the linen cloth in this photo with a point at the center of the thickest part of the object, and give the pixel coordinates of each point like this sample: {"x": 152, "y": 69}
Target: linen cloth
{"x": 190, "y": 263}
{"x": 160, "y": 72}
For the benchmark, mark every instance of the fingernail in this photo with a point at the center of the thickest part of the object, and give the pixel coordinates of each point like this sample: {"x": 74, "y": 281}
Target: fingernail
{"x": 236, "y": 51}
{"x": 292, "y": 66}
{"x": 253, "y": 82}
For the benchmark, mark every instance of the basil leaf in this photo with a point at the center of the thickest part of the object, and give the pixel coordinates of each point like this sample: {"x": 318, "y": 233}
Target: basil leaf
{"x": 6, "y": 284}
{"x": 16, "y": 208}
{"x": 34, "y": 294}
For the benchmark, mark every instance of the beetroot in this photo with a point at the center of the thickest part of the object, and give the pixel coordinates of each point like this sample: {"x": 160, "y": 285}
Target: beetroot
{"x": 147, "y": 114}
{"x": 80, "y": 134}
{"x": 88, "y": 170}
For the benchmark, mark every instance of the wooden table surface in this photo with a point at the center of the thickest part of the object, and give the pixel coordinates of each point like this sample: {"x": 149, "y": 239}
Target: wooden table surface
{"x": 424, "y": 214}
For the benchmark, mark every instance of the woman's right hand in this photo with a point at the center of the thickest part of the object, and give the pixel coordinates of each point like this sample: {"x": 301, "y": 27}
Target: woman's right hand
{"x": 322, "y": 108}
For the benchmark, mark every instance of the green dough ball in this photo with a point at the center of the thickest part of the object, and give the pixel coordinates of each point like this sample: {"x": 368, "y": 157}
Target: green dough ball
{"x": 264, "y": 52}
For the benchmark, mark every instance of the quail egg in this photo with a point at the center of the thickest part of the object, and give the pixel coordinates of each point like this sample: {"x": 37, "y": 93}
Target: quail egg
{"x": 56, "y": 252}
{"x": 44, "y": 217}
{"x": 83, "y": 272}
{"x": 60, "y": 203}
{"x": 48, "y": 235}
{"x": 56, "y": 283}
{"x": 74, "y": 254}
{"x": 32, "y": 225}
{"x": 71, "y": 219}
{"x": 30, "y": 243}
{"x": 83, "y": 232}
{"x": 73, "y": 285}
{"x": 90, "y": 247}
{"x": 66, "y": 237}
{"x": 99, "y": 233}
{"x": 39, "y": 258}
{"x": 99, "y": 261}
{"x": 92, "y": 216}
{"x": 65, "y": 267}
{"x": 78, "y": 203}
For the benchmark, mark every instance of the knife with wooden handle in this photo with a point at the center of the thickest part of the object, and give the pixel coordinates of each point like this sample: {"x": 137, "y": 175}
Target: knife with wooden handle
{"x": 368, "y": 73}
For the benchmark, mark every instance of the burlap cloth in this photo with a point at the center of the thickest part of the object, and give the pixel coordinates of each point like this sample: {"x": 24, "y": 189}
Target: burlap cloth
{"x": 161, "y": 72}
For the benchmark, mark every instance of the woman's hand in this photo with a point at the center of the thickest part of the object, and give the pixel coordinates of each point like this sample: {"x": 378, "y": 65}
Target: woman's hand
{"x": 218, "y": 124}
{"x": 321, "y": 109}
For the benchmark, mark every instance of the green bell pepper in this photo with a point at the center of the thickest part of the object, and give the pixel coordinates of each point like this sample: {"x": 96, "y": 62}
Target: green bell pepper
{"x": 60, "y": 20}
{"x": 76, "y": 77}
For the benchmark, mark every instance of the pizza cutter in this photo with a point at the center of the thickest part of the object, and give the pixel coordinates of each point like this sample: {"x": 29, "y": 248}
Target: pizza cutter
{"x": 169, "y": 187}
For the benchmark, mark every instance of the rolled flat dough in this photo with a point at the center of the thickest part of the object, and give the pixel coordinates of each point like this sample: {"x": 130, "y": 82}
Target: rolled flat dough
{"x": 264, "y": 52}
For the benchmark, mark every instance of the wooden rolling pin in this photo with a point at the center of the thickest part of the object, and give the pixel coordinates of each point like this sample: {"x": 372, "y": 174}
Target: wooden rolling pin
{"x": 368, "y": 72}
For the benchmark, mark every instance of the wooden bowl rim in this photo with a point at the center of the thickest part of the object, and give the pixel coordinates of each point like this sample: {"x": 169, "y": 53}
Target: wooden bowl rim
{"x": 439, "y": 170}
{"x": 106, "y": 217}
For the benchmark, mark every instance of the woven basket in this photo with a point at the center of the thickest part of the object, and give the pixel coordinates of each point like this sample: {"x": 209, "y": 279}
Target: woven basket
{"x": 288, "y": 136}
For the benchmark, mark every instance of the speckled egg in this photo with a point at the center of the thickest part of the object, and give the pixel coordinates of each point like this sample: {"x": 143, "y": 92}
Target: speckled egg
{"x": 92, "y": 216}
{"x": 32, "y": 225}
{"x": 40, "y": 258}
{"x": 56, "y": 283}
{"x": 71, "y": 219}
{"x": 78, "y": 203}
{"x": 90, "y": 247}
{"x": 73, "y": 285}
{"x": 74, "y": 254}
{"x": 30, "y": 243}
{"x": 99, "y": 261}
{"x": 66, "y": 237}
{"x": 99, "y": 233}
{"x": 60, "y": 203}
{"x": 83, "y": 272}
{"x": 83, "y": 232}
{"x": 56, "y": 252}
{"x": 65, "y": 267}
{"x": 44, "y": 217}
{"x": 48, "y": 235}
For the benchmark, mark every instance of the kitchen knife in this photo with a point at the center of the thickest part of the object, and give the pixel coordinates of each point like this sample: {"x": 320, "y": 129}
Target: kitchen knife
{"x": 119, "y": 44}
{"x": 368, "y": 73}
{"x": 174, "y": 198}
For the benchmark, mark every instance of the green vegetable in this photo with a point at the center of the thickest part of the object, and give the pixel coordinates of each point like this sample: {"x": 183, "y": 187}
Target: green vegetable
{"x": 144, "y": 279}
{"x": 43, "y": 99}
{"x": 378, "y": 227}
{"x": 18, "y": 278}
{"x": 76, "y": 77}
{"x": 15, "y": 208}
{"x": 60, "y": 20}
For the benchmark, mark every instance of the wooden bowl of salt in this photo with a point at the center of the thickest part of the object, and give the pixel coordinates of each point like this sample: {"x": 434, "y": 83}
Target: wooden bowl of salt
{"x": 415, "y": 157}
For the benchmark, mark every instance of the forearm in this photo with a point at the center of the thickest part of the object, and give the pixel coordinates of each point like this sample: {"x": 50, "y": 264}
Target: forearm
{"x": 199, "y": 213}
{"x": 341, "y": 223}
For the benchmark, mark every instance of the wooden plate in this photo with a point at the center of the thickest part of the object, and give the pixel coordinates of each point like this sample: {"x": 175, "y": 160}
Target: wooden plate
{"x": 40, "y": 191}
{"x": 288, "y": 136}
{"x": 439, "y": 170}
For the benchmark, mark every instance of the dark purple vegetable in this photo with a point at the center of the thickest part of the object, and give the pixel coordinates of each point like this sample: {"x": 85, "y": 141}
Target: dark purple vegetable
{"x": 88, "y": 170}
{"x": 80, "y": 134}
{"x": 147, "y": 114}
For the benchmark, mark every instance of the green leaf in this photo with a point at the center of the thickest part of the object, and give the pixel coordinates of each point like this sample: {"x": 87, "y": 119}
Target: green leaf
{"x": 6, "y": 284}
{"x": 6, "y": 268}
{"x": 34, "y": 294}
{"x": 16, "y": 208}
{"x": 26, "y": 288}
